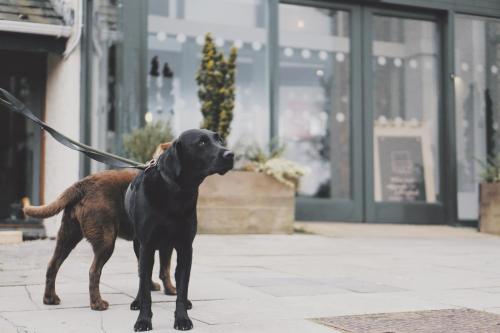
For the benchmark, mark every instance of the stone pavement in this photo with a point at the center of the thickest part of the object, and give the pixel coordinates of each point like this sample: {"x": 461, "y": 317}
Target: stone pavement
{"x": 265, "y": 283}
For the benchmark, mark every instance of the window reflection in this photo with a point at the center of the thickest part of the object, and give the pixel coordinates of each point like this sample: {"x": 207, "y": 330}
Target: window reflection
{"x": 477, "y": 91}
{"x": 405, "y": 107}
{"x": 314, "y": 97}
{"x": 176, "y": 31}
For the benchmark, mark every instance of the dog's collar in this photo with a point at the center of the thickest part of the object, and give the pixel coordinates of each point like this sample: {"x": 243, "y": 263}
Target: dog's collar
{"x": 173, "y": 184}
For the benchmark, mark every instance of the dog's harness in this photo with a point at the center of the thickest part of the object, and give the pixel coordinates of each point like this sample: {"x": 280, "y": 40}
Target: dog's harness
{"x": 14, "y": 105}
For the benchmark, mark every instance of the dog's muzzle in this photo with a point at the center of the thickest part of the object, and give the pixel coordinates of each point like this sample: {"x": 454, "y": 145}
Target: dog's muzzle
{"x": 228, "y": 155}
{"x": 227, "y": 162}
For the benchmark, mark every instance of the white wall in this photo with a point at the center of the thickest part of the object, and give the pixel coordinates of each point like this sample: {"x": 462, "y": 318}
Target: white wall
{"x": 62, "y": 111}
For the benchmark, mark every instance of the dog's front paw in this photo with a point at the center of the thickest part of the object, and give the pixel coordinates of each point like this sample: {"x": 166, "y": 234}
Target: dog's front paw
{"x": 143, "y": 324}
{"x": 134, "y": 306}
{"x": 51, "y": 299}
{"x": 99, "y": 305}
{"x": 183, "y": 323}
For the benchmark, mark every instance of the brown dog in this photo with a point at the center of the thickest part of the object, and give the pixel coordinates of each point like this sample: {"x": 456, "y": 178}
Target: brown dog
{"x": 93, "y": 208}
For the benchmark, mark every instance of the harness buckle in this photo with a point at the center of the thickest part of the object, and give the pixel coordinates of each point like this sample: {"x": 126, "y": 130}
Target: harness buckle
{"x": 151, "y": 164}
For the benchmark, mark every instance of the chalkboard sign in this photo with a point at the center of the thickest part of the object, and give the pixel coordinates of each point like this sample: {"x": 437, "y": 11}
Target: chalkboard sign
{"x": 404, "y": 164}
{"x": 401, "y": 169}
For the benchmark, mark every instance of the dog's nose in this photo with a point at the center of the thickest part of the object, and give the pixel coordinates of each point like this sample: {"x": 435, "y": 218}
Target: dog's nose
{"x": 229, "y": 155}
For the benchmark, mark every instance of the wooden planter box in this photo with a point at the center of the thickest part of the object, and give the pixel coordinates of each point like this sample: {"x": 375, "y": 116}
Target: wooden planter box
{"x": 489, "y": 208}
{"x": 245, "y": 203}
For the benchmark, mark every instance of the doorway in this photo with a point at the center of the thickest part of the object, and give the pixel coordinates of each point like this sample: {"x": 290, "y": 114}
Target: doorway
{"x": 22, "y": 74}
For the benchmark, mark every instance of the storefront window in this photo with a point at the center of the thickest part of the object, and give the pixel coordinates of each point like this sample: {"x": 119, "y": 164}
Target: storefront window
{"x": 176, "y": 31}
{"x": 477, "y": 93}
{"x": 314, "y": 93}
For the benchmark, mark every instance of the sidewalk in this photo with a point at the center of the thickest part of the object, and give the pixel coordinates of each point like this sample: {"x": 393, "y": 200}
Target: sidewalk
{"x": 266, "y": 283}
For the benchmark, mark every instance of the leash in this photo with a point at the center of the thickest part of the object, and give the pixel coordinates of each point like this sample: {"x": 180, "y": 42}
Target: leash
{"x": 15, "y": 105}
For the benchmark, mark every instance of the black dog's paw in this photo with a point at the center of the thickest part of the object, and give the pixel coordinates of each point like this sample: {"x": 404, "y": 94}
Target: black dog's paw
{"x": 183, "y": 323}
{"x": 189, "y": 305}
{"x": 143, "y": 324}
{"x": 134, "y": 306}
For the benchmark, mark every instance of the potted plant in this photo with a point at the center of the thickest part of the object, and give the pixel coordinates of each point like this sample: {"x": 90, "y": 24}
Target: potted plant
{"x": 140, "y": 144}
{"x": 216, "y": 78}
{"x": 489, "y": 197}
{"x": 258, "y": 198}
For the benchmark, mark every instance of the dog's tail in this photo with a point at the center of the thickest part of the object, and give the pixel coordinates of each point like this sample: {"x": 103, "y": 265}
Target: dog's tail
{"x": 69, "y": 196}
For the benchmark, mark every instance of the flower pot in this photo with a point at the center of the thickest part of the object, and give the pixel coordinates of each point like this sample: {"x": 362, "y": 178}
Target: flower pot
{"x": 245, "y": 203}
{"x": 489, "y": 208}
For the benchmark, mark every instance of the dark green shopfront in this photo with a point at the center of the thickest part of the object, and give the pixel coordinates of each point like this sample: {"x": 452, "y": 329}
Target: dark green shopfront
{"x": 392, "y": 105}
{"x": 389, "y": 104}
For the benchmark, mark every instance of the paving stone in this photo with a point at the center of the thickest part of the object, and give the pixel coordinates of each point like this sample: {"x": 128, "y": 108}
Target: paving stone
{"x": 358, "y": 303}
{"x": 286, "y": 290}
{"x": 17, "y": 303}
{"x": 56, "y": 320}
{"x": 271, "y": 326}
{"x": 240, "y": 311}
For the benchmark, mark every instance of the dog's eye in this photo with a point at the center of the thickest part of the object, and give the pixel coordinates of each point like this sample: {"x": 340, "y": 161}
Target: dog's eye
{"x": 202, "y": 142}
{"x": 219, "y": 139}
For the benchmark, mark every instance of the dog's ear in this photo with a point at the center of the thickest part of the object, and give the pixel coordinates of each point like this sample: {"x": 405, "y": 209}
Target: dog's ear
{"x": 165, "y": 146}
{"x": 170, "y": 161}
{"x": 160, "y": 149}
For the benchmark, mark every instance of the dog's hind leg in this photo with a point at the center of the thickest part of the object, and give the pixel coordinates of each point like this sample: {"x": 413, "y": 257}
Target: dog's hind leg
{"x": 103, "y": 248}
{"x": 154, "y": 286}
{"x": 68, "y": 236}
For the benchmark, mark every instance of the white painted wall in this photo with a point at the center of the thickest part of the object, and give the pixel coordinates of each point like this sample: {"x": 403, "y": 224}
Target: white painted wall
{"x": 62, "y": 111}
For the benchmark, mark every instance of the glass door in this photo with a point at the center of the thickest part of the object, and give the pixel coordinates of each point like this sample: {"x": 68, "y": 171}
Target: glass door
{"x": 402, "y": 117}
{"x": 317, "y": 111}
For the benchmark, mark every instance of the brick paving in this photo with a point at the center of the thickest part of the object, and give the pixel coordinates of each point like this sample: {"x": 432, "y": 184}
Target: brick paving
{"x": 266, "y": 283}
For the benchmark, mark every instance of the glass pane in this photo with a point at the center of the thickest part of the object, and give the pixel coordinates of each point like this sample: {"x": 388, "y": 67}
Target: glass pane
{"x": 477, "y": 92}
{"x": 176, "y": 31}
{"x": 314, "y": 97}
{"x": 405, "y": 105}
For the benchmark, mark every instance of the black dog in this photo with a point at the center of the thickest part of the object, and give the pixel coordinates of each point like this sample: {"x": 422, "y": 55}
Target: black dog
{"x": 161, "y": 204}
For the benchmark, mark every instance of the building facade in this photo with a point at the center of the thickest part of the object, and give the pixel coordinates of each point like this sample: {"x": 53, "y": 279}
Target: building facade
{"x": 392, "y": 105}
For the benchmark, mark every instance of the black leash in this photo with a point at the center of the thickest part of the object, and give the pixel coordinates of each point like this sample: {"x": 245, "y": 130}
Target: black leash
{"x": 13, "y": 104}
